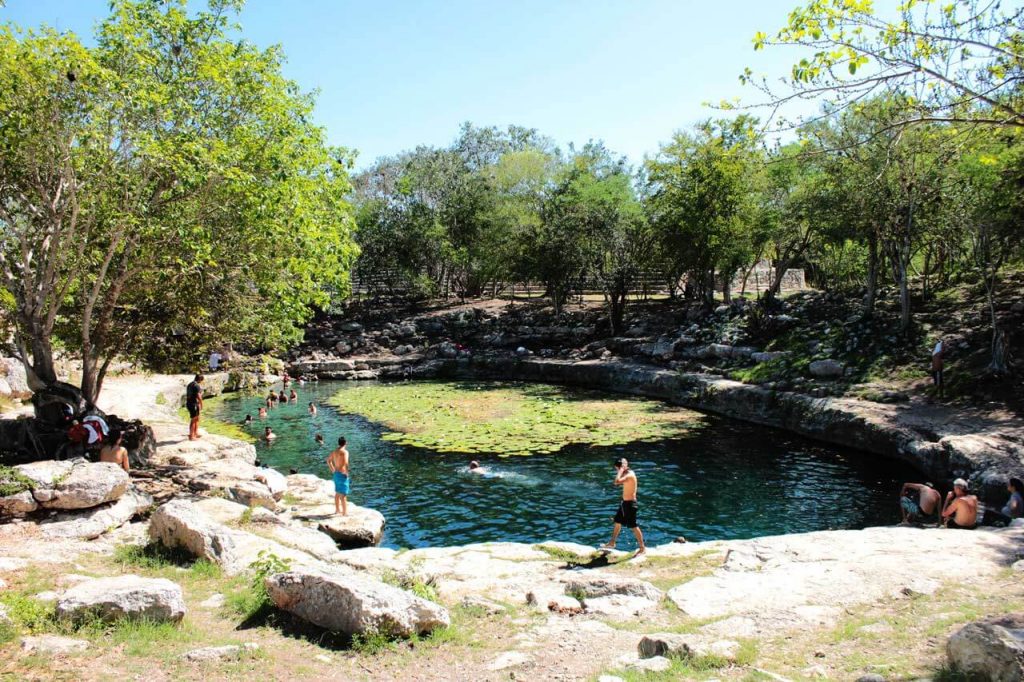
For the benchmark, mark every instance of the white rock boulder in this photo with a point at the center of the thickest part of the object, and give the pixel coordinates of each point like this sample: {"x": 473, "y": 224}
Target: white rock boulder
{"x": 353, "y": 604}
{"x": 18, "y": 504}
{"x": 53, "y": 645}
{"x": 75, "y": 484}
{"x": 990, "y": 649}
{"x": 92, "y": 523}
{"x": 124, "y": 596}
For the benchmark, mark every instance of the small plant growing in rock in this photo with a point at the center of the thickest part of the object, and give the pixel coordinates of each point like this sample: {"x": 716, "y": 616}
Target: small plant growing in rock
{"x": 13, "y": 481}
{"x": 255, "y": 600}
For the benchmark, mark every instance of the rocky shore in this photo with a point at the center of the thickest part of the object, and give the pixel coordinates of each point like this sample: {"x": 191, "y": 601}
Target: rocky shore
{"x": 554, "y": 610}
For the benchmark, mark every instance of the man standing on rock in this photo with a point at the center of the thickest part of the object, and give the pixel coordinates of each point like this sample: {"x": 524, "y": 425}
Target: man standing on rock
{"x": 337, "y": 462}
{"x": 194, "y": 405}
{"x": 626, "y": 514}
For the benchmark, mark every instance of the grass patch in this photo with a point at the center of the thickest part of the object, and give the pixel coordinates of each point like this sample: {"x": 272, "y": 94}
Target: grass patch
{"x": 568, "y": 557}
{"x": 28, "y": 614}
{"x": 13, "y": 481}
{"x": 373, "y": 642}
{"x": 411, "y": 583}
{"x": 147, "y": 638}
{"x": 218, "y": 427}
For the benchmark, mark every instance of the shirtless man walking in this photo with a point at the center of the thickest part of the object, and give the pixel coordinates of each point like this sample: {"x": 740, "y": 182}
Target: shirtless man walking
{"x": 114, "y": 452}
{"x": 626, "y": 514}
{"x": 337, "y": 462}
{"x": 961, "y": 509}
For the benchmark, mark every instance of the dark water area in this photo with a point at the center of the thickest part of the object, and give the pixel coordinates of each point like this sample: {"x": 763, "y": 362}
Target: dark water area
{"x": 724, "y": 480}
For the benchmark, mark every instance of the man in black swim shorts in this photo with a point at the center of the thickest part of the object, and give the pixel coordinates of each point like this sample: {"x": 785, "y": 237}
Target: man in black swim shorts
{"x": 628, "y": 507}
{"x": 194, "y": 405}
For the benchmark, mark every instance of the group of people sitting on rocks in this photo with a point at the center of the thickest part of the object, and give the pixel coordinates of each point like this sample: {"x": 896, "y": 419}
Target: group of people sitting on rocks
{"x": 922, "y": 505}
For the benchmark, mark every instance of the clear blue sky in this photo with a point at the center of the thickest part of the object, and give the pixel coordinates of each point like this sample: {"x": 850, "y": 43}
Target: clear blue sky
{"x": 395, "y": 74}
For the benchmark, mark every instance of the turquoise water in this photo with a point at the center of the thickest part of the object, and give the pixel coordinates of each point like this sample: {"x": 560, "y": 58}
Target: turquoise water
{"x": 725, "y": 480}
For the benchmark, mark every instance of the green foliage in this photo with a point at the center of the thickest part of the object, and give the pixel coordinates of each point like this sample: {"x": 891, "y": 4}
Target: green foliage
{"x": 509, "y": 420}
{"x": 27, "y": 613}
{"x": 411, "y": 582}
{"x": 253, "y": 599}
{"x": 373, "y": 642}
{"x": 13, "y": 481}
{"x": 192, "y": 200}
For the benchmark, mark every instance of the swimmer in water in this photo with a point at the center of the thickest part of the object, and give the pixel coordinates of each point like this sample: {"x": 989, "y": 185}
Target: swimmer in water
{"x": 475, "y": 468}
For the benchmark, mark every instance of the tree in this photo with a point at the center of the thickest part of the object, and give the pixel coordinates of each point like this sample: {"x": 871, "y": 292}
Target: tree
{"x": 168, "y": 159}
{"x": 959, "y": 61}
{"x": 704, "y": 202}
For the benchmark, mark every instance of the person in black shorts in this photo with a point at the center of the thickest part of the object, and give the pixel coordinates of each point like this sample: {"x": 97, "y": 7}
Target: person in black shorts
{"x": 628, "y": 507}
{"x": 194, "y": 405}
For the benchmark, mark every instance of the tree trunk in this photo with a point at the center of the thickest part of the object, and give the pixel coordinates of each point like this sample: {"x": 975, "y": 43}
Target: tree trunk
{"x": 904, "y": 296}
{"x": 617, "y": 310}
{"x": 727, "y": 290}
{"x": 872, "y": 283}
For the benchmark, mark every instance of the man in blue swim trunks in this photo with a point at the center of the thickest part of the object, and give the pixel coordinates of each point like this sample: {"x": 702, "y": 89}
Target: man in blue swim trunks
{"x": 337, "y": 462}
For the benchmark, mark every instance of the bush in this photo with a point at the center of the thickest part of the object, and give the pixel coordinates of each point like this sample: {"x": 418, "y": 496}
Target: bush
{"x": 255, "y": 599}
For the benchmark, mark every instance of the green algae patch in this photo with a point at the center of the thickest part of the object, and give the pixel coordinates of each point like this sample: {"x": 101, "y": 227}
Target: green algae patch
{"x": 510, "y": 419}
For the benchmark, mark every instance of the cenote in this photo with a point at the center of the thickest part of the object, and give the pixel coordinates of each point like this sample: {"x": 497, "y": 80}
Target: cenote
{"x": 701, "y": 476}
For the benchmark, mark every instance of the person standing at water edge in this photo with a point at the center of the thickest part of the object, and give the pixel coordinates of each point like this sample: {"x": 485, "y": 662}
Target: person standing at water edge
{"x": 194, "y": 405}
{"x": 337, "y": 462}
{"x": 626, "y": 514}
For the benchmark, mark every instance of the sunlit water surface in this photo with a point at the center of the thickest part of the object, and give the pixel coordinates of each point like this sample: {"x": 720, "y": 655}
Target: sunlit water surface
{"x": 727, "y": 479}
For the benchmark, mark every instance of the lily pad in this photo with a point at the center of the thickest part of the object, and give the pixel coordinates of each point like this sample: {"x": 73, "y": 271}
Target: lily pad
{"x": 510, "y": 419}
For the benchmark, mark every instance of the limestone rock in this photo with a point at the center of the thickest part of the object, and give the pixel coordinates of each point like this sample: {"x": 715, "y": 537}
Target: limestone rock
{"x": 18, "y": 504}
{"x": 597, "y": 585}
{"x": 214, "y": 601}
{"x": 990, "y": 649}
{"x": 352, "y": 604}
{"x": 75, "y": 484}
{"x": 768, "y": 356}
{"x": 509, "y": 659}
{"x": 13, "y": 372}
{"x": 229, "y": 652}
{"x": 53, "y": 645}
{"x": 486, "y": 605}
{"x": 686, "y": 646}
{"x": 362, "y": 527}
{"x": 92, "y": 523}
{"x": 826, "y": 369}
{"x": 657, "y": 664}
{"x": 123, "y": 596}
{"x": 181, "y": 524}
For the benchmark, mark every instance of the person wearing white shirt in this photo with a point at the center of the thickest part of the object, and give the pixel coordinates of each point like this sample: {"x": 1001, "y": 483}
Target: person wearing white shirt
{"x": 215, "y": 359}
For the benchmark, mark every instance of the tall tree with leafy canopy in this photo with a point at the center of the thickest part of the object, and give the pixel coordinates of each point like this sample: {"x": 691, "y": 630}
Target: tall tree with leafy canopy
{"x": 952, "y": 60}
{"x": 167, "y": 178}
{"x": 705, "y": 201}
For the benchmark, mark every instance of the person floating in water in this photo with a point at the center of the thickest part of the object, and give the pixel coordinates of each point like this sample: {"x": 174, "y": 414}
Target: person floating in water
{"x": 263, "y": 413}
{"x": 925, "y": 509}
{"x": 337, "y": 462}
{"x": 319, "y": 438}
{"x": 248, "y": 420}
{"x": 293, "y": 397}
{"x": 475, "y": 468}
{"x": 269, "y": 435}
{"x": 282, "y": 398}
{"x": 626, "y": 514}
{"x": 312, "y": 409}
{"x": 114, "y": 452}
{"x": 961, "y": 509}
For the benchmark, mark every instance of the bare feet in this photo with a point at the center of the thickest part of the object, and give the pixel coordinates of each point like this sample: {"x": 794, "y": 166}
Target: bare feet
{"x": 642, "y": 550}
{"x": 607, "y": 545}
